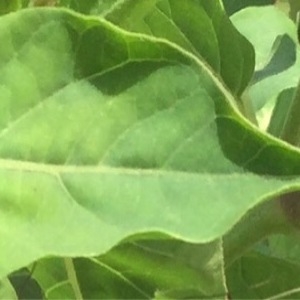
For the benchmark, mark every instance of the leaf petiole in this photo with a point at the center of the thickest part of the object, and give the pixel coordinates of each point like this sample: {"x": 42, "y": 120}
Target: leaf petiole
{"x": 73, "y": 278}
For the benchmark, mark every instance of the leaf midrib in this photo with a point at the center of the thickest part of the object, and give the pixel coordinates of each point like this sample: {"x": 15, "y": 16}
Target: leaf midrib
{"x": 30, "y": 166}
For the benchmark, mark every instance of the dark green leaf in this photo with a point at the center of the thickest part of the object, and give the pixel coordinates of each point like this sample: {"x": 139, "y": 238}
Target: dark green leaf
{"x": 283, "y": 57}
{"x": 256, "y": 276}
{"x": 7, "y": 6}
{"x": 280, "y": 112}
{"x": 220, "y": 45}
{"x": 233, "y": 6}
{"x": 24, "y": 285}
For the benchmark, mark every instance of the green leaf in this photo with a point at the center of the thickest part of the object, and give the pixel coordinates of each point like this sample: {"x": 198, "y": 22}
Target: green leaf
{"x": 285, "y": 247}
{"x": 25, "y": 287}
{"x": 233, "y": 6}
{"x": 106, "y": 133}
{"x": 6, "y": 290}
{"x": 266, "y": 18}
{"x": 138, "y": 270}
{"x": 294, "y": 9}
{"x": 291, "y": 128}
{"x": 52, "y": 276}
{"x": 282, "y": 58}
{"x": 220, "y": 45}
{"x": 256, "y": 276}
{"x": 260, "y": 222}
{"x": 7, "y": 6}
{"x": 200, "y": 266}
{"x": 280, "y": 112}
{"x": 275, "y": 23}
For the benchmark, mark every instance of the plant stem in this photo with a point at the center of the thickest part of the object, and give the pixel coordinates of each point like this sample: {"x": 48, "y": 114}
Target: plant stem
{"x": 73, "y": 278}
{"x": 291, "y": 128}
{"x": 260, "y": 222}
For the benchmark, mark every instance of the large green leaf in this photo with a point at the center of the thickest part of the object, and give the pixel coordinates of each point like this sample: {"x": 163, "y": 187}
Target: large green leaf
{"x": 138, "y": 269}
{"x": 106, "y": 133}
{"x": 207, "y": 33}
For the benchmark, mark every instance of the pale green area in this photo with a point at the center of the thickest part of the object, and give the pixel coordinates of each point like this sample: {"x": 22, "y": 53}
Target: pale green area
{"x": 267, "y": 22}
{"x": 261, "y": 26}
{"x": 6, "y": 290}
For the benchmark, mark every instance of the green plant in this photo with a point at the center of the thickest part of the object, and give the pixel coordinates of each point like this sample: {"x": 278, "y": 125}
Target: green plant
{"x": 141, "y": 154}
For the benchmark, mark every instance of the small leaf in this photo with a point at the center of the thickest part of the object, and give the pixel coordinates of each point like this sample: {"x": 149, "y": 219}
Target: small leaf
{"x": 280, "y": 112}
{"x": 256, "y": 276}
{"x": 263, "y": 92}
{"x": 283, "y": 57}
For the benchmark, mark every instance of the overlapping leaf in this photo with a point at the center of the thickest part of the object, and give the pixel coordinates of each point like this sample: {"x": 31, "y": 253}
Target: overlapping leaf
{"x": 207, "y": 33}
{"x": 232, "y": 6}
{"x": 256, "y": 276}
{"x": 139, "y": 270}
{"x": 106, "y": 133}
{"x": 271, "y": 20}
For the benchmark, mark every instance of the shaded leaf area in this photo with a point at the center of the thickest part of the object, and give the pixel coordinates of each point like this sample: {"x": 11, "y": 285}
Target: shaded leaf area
{"x": 256, "y": 276}
{"x": 280, "y": 112}
{"x": 291, "y": 129}
{"x": 140, "y": 270}
{"x": 294, "y": 10}
{"x": 24, "y": 285}
{"x": 283, "y": 57}
{"x": 7, "y": 6}
{"x": 232, "y": 6}
{"x": 88, "y": 7}
{"x": 90, "y": 155}
{"x": 207, "y": 33}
